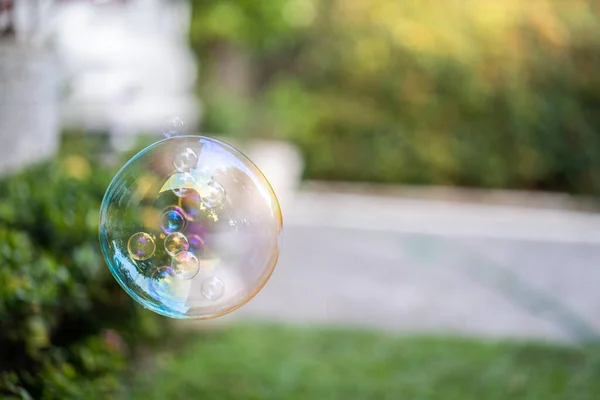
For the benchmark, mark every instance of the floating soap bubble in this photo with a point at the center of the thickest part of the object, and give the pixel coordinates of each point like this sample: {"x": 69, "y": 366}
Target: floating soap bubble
{"x": 172, "y": 126}
{"x": 213, "y": 288}
{"x": 166, "y": 228}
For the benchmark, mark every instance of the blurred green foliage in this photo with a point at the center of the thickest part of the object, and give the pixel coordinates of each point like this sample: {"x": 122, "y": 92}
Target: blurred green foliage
{"x": 67, "y": 331}
{"x": 482, "y": 93}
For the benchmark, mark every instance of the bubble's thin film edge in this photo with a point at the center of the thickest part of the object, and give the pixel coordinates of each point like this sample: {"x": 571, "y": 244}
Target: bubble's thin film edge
{"x": 104, "y": 243}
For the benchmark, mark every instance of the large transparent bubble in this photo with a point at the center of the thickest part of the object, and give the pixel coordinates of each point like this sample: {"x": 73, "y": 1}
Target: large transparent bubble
{"x": 190, "y": 228}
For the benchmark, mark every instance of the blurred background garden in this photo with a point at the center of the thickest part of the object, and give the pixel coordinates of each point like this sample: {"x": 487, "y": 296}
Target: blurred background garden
{"x": 442, "y": 242}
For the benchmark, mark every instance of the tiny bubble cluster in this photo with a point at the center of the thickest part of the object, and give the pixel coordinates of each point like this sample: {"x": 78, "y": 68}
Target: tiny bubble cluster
{"x": 190, "y": 227}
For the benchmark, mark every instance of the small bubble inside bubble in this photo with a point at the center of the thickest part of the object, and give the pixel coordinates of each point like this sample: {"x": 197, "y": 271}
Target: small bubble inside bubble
{"x": 172, "y": 126}
{"x": 185, "y": 160}
{"x": 212, "y": 288}
{"x": 176, "y": 243}
{"x": 185, "y": 265}
{"x": 213, "y": 195}
{"x": 141, "y": 246}
{"x": 172, "y": 220}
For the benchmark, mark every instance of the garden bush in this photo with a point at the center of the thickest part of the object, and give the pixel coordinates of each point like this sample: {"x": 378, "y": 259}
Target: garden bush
{"x": 487, "y": 93}
{"x": 66, "y": 329}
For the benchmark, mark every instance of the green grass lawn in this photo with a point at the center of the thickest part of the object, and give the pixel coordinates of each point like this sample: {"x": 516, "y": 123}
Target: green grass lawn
{"x": 274, "y": 362}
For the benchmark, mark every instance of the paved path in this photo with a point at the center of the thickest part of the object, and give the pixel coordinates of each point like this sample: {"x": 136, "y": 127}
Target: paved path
{"x": 434, "y": 267}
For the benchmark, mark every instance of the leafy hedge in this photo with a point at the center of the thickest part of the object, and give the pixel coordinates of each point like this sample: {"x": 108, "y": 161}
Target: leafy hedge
{"x": 486, "y": 93}
{"x": 66, "y": 329}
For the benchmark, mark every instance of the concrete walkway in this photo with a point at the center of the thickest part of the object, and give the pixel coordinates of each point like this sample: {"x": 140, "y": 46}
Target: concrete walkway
{"x": 434, "y": 267}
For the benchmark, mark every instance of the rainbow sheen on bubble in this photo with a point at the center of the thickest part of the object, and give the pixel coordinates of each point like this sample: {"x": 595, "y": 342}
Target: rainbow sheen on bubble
{"x": 190, "y": 228}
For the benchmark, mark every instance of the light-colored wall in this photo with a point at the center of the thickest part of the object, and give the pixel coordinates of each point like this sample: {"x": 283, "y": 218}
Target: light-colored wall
{"x": 112, "y": 66}
{"x": 127, "y": 63}
{"x": 28, "y": 105}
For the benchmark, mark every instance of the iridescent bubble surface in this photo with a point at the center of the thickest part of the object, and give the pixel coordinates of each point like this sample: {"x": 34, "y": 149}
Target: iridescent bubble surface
{"x": 190, "y": 237}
